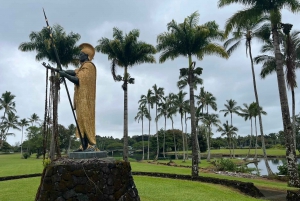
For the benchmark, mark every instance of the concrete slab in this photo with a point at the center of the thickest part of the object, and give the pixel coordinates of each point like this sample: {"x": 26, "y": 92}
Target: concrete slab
{"x": 86, "y": 155}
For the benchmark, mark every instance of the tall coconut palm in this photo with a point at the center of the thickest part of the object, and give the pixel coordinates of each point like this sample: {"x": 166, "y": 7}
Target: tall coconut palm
{"x": 186, "y": 109}
{"x": 256, "y": 111}
{"x": 273, "y": 8}
{"x": 142, "y": 112}
{"x": 9, "y": 121}
{"x": 8, "y": 104}
{"x": 147, "y": 99}
{"x": 291, "y": 62}
{"x": 230, "y": 109}
{"x": 171, "y": 111}
{"x": 180, "y": 104}
{"x": 247, "y": 113}
{"x": 158, "y": 94}
{"x": 210, "y": 120}
{"x": 227, "y": 130}
{"x": 68, "y": 52}
{"x": 190, "y": 39}
{"x": 163, "y": 112}
{"x": 125, "y": 51}
{"x": 34, "y": 118}
{"x": 23, "y": 123}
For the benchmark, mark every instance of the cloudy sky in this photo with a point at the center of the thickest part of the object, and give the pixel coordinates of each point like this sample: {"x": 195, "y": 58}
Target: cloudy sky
{"x": 225, "y": 79}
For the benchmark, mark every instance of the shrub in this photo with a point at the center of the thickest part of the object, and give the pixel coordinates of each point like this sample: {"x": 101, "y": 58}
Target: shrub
{"x": 46, "y": 162}
{"x": 283, "y": 170}
{"x": 26, "y": 155}
{"x": 225, "y": 165}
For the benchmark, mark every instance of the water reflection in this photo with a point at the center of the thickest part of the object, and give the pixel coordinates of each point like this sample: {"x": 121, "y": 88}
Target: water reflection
{"x": 261, "y": 166}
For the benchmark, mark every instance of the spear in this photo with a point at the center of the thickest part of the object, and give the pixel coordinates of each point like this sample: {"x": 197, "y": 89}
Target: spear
{"x": 64, "y": 81}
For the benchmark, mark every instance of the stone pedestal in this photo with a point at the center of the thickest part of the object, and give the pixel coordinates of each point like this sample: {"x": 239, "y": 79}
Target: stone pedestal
{"x": 87, "y": 180}
{"x": 86, "y": 155}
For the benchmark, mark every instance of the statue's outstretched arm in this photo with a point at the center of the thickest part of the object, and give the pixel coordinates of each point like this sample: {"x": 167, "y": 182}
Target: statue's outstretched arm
{"x": 70, "y": 75}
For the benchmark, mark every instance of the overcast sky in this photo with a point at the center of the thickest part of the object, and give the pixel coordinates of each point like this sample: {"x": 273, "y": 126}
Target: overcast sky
{"x": 228, "y": 79}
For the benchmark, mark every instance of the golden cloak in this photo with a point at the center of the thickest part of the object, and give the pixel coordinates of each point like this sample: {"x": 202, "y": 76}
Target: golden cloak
{"x": 84, "y": 101}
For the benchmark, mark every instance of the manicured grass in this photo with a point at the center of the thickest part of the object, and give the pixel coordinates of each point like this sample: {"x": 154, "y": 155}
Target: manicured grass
{"x": 149, "y": 188}
{"x": 270, "y": 152}
{"x": 19, "y": 189}
{"x": 157, "y": 189}
{"x": 12, "y": 164}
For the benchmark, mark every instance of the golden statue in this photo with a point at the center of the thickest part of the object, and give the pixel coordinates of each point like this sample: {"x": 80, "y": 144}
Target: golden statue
{"x": 84, "y": 79}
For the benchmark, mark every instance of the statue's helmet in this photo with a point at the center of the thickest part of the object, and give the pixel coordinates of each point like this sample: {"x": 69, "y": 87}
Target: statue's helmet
{"x": 88, "y": 49}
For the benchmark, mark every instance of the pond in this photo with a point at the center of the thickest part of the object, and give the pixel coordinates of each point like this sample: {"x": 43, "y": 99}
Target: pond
{"x": 261, "y": 166}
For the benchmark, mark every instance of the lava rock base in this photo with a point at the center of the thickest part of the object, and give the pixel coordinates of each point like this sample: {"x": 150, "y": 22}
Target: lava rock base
{"x": 87, "y": 180}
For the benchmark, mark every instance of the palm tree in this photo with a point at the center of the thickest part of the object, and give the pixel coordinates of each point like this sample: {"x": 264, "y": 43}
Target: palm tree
{"x": 7, "y": 103}
{"x": 171, "y": 111}
{"x": 34, "y": 118}
{"x": 227, "y": 130}
{"x": 188, "y": 39}
{"x": 8, "y": 122}
{"x": 23, "y": 123}
{"x": 158, "y": 93}
{"x": 247, "y": 113}
{"x": 256, "y": 8}
{"x": 186, "y": 109}
{"x": 142, "y": 112}
{"x": 163, "y": 111}
{"x": 125, "y": 51}
{"x": 67, "y": 50}
{"x": 210, "y": 120}
{"x": 180, "y": 104}
{"x": 256, "y": 111}
{"x": 147, "y": 99}
{"x": 230, "y": 109}
{"x": 291, "y": 63}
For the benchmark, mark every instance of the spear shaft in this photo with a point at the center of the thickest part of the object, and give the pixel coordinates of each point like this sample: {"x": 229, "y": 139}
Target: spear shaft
{"x": 64, "y": 81}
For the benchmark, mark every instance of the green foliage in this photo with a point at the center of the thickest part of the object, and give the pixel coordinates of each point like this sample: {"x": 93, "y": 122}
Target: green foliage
{"x": 114, "y": 146}
{"x": 278, "y": 146}
{"x": 225, "y": 165}
{"x": 46, "y": 162}
{"x": 283, "y": 169}
{"x": 26, "y": 155}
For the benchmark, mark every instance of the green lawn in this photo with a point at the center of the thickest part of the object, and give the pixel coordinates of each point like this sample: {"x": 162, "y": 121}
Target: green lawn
{"x": 149, "y": 188}
{"x": 11, "y": 164}
{"x": 270, "y": 152}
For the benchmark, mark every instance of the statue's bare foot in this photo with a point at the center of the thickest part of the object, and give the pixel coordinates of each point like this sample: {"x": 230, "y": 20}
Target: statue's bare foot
{"x": 91, "y": 148}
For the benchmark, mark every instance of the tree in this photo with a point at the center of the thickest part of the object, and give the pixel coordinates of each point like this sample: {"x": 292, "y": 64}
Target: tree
{"x": 230, "y": 109}
{"x": 171, "y": 111}
{"x": 163, "y": 111}
{"x": 71, "y": 134}
{"x": 23, "y": 123}
{"x": 227, "y": 130}
{"x": 292, "y": 62}
{"x": 147, "y": 99}
{"x": 125, "y": 51}
{"x": 8, "y": 104}
{"x": 67, "y": 50}
{"x": 210, "y": 120}
{"x": 255, "y": 8}
{"x": 34, "y": 118}
{"x": 158, "y": 94}
{"x": 10, "y": 121}
{"x": 142, "y": 112}
{"x": 247, "y": 113}
{"x": 180, "y": 103}
{"x": 187, "y": 39}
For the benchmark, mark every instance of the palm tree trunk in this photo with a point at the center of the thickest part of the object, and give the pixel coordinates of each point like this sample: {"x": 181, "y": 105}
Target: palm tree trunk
{"x": 125, "y": 137}
{"x": 176, "y": 157}
{"x": 294, "y": 118}
{"x": 164, "y": 138}
{"x": 157, "y": 141}
{"x": 69, "y": 146}
{"x": 22, "y": 143}
{"x": 259, "y": 115}
{"x": 250, "y": 141}
{"x": 208, "y": 144}
{"x": 183, "y": 147}
{"x": 198, "y": 146}
{"x": 149, "y": 134}
{"x": 186, "y": 141}
{"x": 255, "y": 157}
{"x": 231, "y": 141}
{"x": 143, "y": 138}
{"x": 195, "y": 161}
